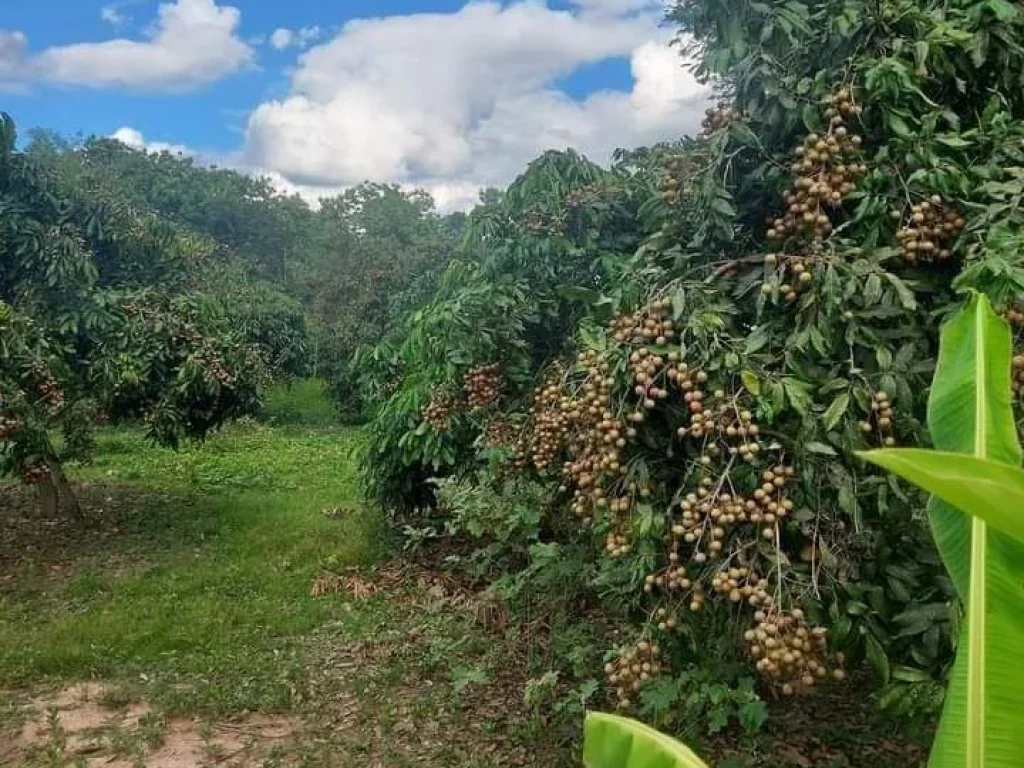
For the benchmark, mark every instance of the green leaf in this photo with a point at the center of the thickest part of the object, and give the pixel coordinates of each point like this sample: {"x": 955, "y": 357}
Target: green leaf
{"x": 898, "y": 125}
{"x": 969, "y": 412}
{"x": 877, "y": 658}
{"x": 751, "y": 382}
{"x": 836, "y": 410}
{"x": 611, "y": 741}
{"x": 797, "y": 392}
{"x": 987, "y": 489}
{"x": 820, "y": 448}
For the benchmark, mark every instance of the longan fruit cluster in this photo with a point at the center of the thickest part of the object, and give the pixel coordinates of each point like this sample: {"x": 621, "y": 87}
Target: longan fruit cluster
{"x": 666, "y": 619}
{"x": 500, "y": 432}
{"x": 674, "y": 181}
{"x": 793, "y": 272}
{"x": 650, "y": 387}
{"x": 632, "y": 667}
{"x": 48, "y": 389}
{"x": 649, "y": 325}
{"x": 438, "y": 412}
{"x": 9, "y": 426}
{"x": 1017, "y": 374}
{"x": 34, "y": 472}
{"x": 826, "y": 169}
{"x": 926, "y": 237}
{"x": 645, "y": 370}
{"x": 617, "y": 544}
{"x": 790, "y": 654}
{"x": 1014, "y": 315}
{"x": 721, "y": 418}
{"x": 550, "y": 425}
{"x": 881, "y": 419}
{"x": 536, "y": 222}
{"x": 481, "y": 385}
{"x": 709, "y": 514}
{"x": 673, "y": 578}
{"x": 585, "y": 195}
{"x": 596, "y": 440}
{"x": 717, "y": 118}
{"x": 739, "y": 585}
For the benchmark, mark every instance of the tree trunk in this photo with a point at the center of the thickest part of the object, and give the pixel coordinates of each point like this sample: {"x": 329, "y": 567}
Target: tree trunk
{"x": 54, "y": 489}
{"x": 65, "y": 492}
{"x": 49, "y": 496}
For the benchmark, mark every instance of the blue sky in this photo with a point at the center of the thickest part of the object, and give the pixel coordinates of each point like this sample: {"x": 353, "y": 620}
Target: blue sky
{"x": 319, "y": 95}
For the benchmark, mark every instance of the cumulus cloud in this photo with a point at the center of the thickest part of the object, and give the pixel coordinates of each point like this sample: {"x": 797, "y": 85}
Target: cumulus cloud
{"x": 617, "y": 7}
{"x": 134, "y": 139}
{"x": 283, "y": 37}
{"x": 13, "y": 47}
{"x": 462, "y": 100}
{"x": 192, "y": 43}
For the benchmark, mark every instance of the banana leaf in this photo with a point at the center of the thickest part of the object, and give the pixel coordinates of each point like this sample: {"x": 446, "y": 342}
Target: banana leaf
{"x": 983, "y": 488}
{"x": 969, "y": 412}
{"x": 611, "y": 741}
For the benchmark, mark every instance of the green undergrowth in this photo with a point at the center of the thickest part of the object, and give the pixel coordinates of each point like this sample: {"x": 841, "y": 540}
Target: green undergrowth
{"x": 303, "y": 401}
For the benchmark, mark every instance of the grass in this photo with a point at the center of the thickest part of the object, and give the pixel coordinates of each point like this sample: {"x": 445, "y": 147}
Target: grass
{"x": 218, "y": 547}
{"x": 304, "y": 401}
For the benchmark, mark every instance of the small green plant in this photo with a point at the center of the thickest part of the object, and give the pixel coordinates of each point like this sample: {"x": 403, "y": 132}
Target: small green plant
{"x": 695, "y": 696}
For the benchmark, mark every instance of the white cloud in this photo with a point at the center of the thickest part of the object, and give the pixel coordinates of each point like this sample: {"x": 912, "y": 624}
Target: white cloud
{"x": 192, "y": 43}
{"x": 13, "y": 46}
{"x": 618, "y": 7}
{"x": 134, "y": 139}
{"x": 111, "y": 15}
{"x": 301, "y": 38}
{"x": 281, "y": 38}
{"x": 458, "y": 101}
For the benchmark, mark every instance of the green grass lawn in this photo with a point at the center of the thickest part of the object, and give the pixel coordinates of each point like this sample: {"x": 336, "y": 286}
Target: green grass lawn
{"x": 208, "y": 588}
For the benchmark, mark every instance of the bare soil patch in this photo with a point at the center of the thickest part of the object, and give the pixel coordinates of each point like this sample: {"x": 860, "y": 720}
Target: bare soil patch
{"x": 79, "y": 723}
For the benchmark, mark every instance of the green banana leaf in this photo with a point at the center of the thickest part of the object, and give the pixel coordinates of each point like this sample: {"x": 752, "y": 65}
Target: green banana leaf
{"x": 611, "y": 741}
{"x": 983, "y": 488}
{"x": 969, "y": 412}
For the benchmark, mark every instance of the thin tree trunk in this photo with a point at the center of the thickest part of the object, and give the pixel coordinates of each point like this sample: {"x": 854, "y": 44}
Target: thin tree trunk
{"x": 66, "y": 493}
{"x": 49, "y": 496}
{"x": 54, "y": 489}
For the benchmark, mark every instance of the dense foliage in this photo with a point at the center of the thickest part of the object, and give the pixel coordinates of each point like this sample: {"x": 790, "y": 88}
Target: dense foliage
{"x": 110, "y": 311}
{"x": 685, "y": 350}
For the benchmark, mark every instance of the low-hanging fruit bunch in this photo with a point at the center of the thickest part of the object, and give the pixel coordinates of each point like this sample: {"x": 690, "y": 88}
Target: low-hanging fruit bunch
{"x": 632, "y": 668}
{"x": 548, "y": 426}
{"x": 437, "y": 413}
{"x": 788, "y": 652}
{"x": 674, "y": 181}
{"x": 651, "y": 324}
{"x": 827, "y": 167}
{"x": 790, "y": 274}
{"x": 481, "y": 385}
{"x": 718, "y": 117}
{"x": 501, "y": 433}
{"x": 932, "y": 227}
{"x": 882, "y": 420}
{"x": 9, "y": 427}
{"x": 49, "y": 391}
{"x": 34, "y": 472}
{"x": 596, "y": 467}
